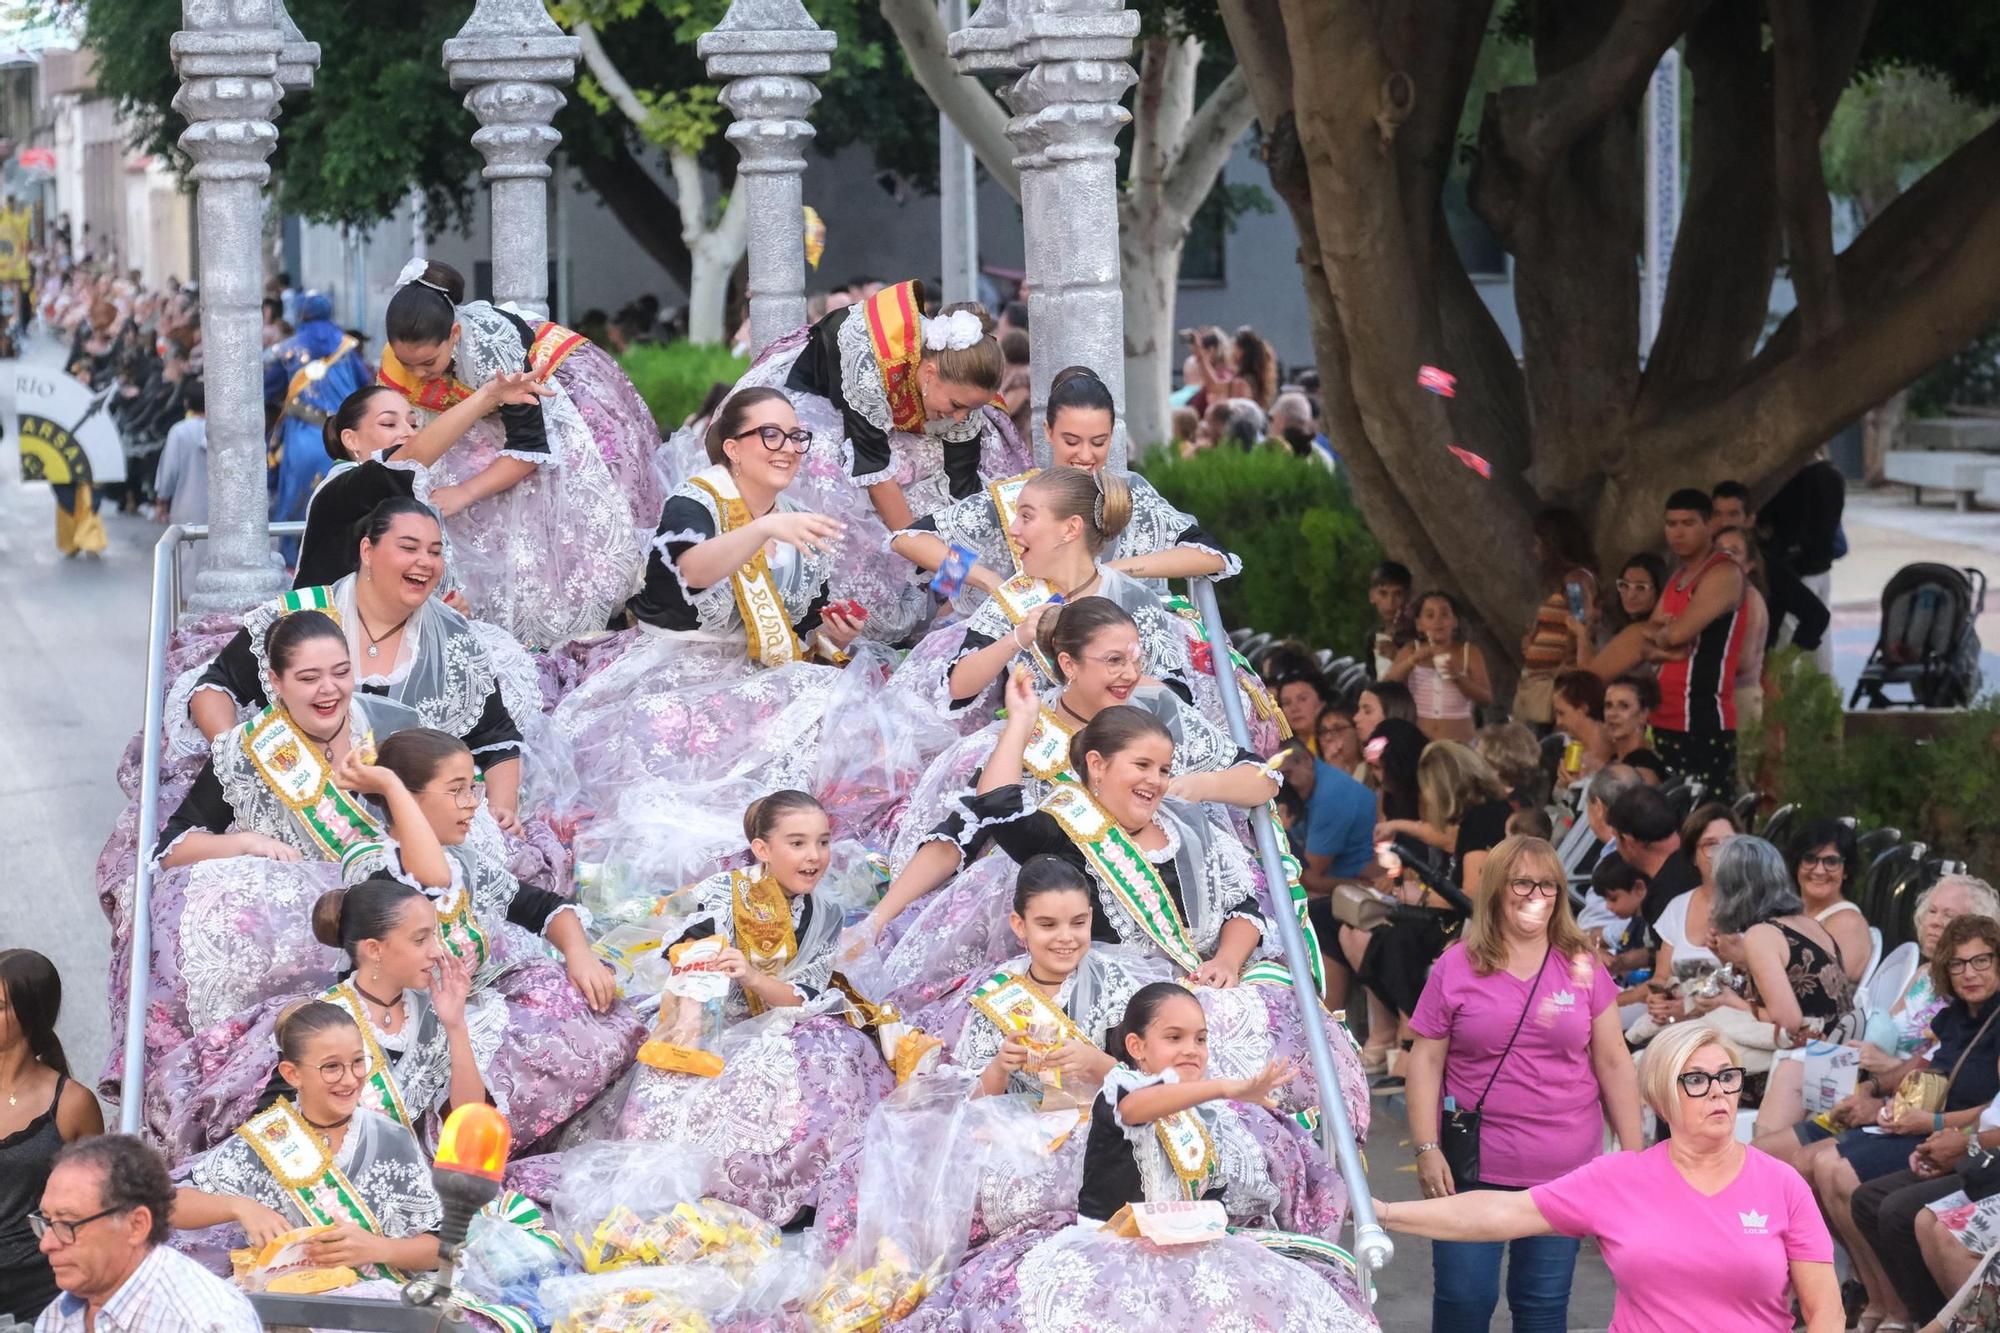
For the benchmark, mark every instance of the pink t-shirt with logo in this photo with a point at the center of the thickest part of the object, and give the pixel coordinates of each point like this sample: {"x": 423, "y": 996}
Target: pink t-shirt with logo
{"x": 1686, "y": 1260}
{"x": 1541, "y": 1118}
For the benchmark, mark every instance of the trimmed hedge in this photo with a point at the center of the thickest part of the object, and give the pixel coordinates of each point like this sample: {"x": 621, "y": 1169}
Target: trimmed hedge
{"x": 1306, "y": 552}
{"x": 674, "y": 378}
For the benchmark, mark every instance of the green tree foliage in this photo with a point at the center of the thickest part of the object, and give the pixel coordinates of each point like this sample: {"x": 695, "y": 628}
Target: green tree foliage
{"x": 1305, "y": 551}
{"x": 674, "y": 378}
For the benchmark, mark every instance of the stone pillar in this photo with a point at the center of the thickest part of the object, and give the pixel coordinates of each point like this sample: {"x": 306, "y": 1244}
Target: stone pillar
{"x": 227, "y": 55}
{"x": 513, "y": 60}
{"x": 1065, "y": 129}
{"x": 765, "y": 52}
{"x": 958, "y": 194}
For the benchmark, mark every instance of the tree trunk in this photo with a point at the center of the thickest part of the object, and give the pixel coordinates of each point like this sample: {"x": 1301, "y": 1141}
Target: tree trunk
{"x": 1151, "y": 283}
{"x": 716, "y": 249}
{"x": 1881, "y": 431}
{"x": 978, "y": 118}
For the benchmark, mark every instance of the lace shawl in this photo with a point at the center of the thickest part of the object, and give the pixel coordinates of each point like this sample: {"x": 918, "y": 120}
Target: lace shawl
{"x": 378, "y": 1156}
{"x": 1248, "y": 1191}
{"x": 800, "y": 577}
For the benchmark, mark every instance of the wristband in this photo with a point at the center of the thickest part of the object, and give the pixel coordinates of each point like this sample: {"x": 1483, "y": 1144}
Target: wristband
{"x": 1423, "y": 1148}
{"x": 1937, "y": 1122}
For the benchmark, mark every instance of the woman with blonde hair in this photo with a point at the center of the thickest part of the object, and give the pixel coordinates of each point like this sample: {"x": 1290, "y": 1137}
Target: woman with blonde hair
{"x": 1740, "y": 1222}
{"x": 1518, "y": 1031}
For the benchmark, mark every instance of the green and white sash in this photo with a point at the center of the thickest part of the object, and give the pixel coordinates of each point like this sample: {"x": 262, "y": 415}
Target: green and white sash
{"x": 459, "y": 930}
{"x": 1252, "y": 684}
{"x": 1190, "y": 1151}
{"x": 1294, "y": 1245}
{"x": 1006, "y": 497}
{"x": 293, "y": 767}
{"x": 1122, "y": 867}
{"x": 378, "y": 1087}
{"x": 1047, "y": 755}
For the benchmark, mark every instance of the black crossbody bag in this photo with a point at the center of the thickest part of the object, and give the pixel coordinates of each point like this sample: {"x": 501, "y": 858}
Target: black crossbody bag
{"x": 1458, "y": 1131}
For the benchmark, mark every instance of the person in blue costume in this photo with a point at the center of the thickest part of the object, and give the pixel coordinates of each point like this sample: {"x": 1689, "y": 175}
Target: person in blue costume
{"x": 305, "y": 378}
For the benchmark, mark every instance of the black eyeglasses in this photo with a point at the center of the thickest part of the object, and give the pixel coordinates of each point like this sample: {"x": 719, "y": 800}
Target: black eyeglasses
{"x": 775, "y": 439}
{"x": 1822, "y": 861}
{"x": 1696, "y": 1082}
{"x": 1527, "y": 888}
{"x": 65, "y": 1231}
{"x": 1979, "y": 962}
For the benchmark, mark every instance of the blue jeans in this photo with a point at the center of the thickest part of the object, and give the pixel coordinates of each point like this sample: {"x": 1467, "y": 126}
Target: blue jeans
{"x": 1466, "y": 1283}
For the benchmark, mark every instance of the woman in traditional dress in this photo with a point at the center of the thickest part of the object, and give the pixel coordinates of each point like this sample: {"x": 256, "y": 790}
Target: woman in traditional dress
{"x": 1169, "y": 882}
{"x": 379, "y": 454}
{"x": 258, "y": 837}
{"x": 1164, "y": 1129}
{"x": 320, "y": 1157}
{"x": 567, "y": 1033}
{"x": 1094, "y": 644}
{"x": 899, "y": 407}
{"x": 1159, "y": 541}
{"x": 548, "y": 504}
{"x": 797, "y": 1084}
{"x": 721, "y": 692}
{"x": 425, "y": 1051}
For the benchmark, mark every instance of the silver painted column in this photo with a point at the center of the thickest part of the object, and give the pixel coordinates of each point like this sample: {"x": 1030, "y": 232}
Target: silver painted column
{"x": 764, "y": 53}
{"x": 1065, "y": 129}
{"x": 227, "y": 57}
{"x": 1663, "y": 190}
{"x": 958, "y": 193}
{"x": 514, "y": 61}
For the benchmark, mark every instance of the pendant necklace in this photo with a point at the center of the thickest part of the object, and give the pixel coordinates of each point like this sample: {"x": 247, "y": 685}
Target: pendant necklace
{"x": 374, "y": 648}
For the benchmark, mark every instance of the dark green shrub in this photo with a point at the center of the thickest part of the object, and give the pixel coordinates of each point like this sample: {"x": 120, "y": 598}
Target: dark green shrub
{"x": 1306, "y": 553}
{"x": 674, "y": 378}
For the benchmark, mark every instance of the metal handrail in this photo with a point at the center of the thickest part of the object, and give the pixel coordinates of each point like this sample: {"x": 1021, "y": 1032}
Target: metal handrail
{"x": 166, "y": 614}
{"x": 1372, "y": 1246}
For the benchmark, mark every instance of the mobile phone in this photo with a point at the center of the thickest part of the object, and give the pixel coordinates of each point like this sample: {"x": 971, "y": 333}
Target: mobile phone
{"x": 1574, "y": 592}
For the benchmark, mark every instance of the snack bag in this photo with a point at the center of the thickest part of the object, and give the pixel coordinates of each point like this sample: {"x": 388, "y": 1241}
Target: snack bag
{"x": 687, "y": 1035}
{"x": 1175, "y": 1222}
{"x": 281, "y": 1264}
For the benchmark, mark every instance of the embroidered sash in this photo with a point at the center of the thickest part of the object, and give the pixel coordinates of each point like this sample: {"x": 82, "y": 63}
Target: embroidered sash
{"x": 896, "y": 336}
{"x": 309, "y": 599}
{"x": 1122, "y": 868}
{"x": 1190, "y": 1151}
{"x": 292, "y": 767}
{"x": 458, "y": 928}
{"x": 298, "y": 1159}
{"x": 378, "y": 1086}
{"x": 767, "y": 626}
{"x": 762, "y": 920}
{"x": 551, "y": 347}
{"x": 1047, "y": 755}
{"x": 1247, "y": 679}
{"x": 1294, "y": 1245}
{"x": 1006, "y": 497}
{"x": 1020, "y": 595}
{"x": 1015, "y": 1007}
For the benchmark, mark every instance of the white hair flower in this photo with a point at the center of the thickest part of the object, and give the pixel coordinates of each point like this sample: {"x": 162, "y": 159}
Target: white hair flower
{"x": 413, "y": 271}
{"x": 954, "y": 332}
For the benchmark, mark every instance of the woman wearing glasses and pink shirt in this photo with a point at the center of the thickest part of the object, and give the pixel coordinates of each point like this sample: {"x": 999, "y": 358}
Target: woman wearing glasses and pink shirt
{"x": 1519, "y": 1021}
{"x": 1699, "y": 1231}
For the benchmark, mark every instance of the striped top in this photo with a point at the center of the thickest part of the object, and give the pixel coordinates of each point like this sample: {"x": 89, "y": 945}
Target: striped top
{"x": 1698, "y": 693}
{"x": 1550, "y": 647}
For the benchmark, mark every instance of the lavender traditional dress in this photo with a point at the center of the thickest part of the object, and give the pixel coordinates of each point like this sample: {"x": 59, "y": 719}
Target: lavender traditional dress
{"x": 553, "y": 555}
{"x": 953, "y": 932}
{"x": 796, "y": 1087}
{"x": 851, "y": 379}
{"x": 552, "y": 1052}
{"x": 689, "y": 718}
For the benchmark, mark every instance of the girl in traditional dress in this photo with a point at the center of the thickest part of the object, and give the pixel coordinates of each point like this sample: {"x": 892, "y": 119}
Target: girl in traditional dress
{"x": 1168, "y": 881}
{"x": 722, "y": 690}
{"x": 425, "y": 1054}
{"x": 1159, "y": 541}
{"x": 567, "y": 1034}
{"x": 548, "y": 504}
{"x": 1164, "y": 1130}
{"x": 379, "y": 454}
{"x": 320, "y": 1157}
{"x": 797, "y": 1085}
{"x": 1094, "y": 644}
{"x": 899, "y": 407}
{"x": 1063, "y": 520}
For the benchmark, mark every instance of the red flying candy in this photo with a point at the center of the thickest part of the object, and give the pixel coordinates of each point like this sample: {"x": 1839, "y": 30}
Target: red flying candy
{"x": 1472, "y": 460}
{"x": 1440, "y": 382}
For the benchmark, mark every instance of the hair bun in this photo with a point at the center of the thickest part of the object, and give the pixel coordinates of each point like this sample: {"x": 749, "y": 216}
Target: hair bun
{"x": 326, "y": 917}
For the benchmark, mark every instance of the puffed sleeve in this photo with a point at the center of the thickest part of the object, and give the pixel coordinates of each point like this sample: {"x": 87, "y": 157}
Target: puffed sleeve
{"x": 494, "y": 739}
{"x": 234, "y": 672}
{"x": 526, "y": 424}
{"x": 1021, "y": 833}
{"x": 204, "y": 808}
{"x": 961, "y": 468}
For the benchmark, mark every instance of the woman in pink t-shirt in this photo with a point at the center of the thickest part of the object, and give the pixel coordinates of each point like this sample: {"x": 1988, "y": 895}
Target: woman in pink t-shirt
{"x": 1699, "y": 1232}
{"x": 1520, "y": 1021}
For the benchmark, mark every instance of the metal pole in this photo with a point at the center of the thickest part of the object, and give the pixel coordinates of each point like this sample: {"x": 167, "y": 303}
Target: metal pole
{"x": 958, "y": 192}
{"x": 1663, "y": 190}
{"x": 1372, "y": 1246}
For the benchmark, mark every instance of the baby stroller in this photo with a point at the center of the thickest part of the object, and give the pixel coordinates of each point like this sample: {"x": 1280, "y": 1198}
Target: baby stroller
{"x": 1928, "y": 641}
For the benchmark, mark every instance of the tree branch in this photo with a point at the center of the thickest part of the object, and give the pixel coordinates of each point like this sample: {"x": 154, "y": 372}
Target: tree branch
{"x": 622, "y": 183}
{"x": 608, "y": 76}
{"x": 1803, "y": 203}
{"x": 1208, "y": 141}
{"x": 962, "y": 98}
{"x": 1162, "y": 101}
